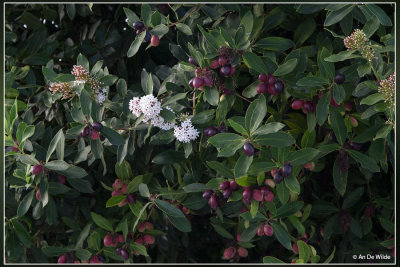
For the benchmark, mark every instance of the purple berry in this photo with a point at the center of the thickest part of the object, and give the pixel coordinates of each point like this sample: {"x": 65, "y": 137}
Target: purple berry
{"x": 147, "y": 38}
{"x": 86, "y": 131}
{"x": 131, "y": 199}
{"x": 224, "y": 185}
{"x": 197, "y": 82}
{"x": 279, "y": 87}
{"x": 138, "y": 25}
{"x": 124, "y": 254}
{"x": 248, "y": 149}
{"x": 207, "y": 81}
{"x": 193, "y": 62}
{"x": 37, "y": 169}
{"x": 261, "y": 88}
{"x": 339, "y": 79}
{"x": 262, "y": 77}
{"x": 207, "y": 194}
{"x": 222, "y": 61}
{"x": 227, "y": 193}
{"x": 210, "y": 131}
{"x": 225, "y": 70}
{"x": 287, "y": 169}
{"x": 213, "y": 201}
{"x": 97, "y": 126}
{"x": 278, "y": 177}
{"x": 271, "y": 79}
{"x": 233, "y": 185}
{"x": 247, "y": 194}
{"x": 308, "y": 107}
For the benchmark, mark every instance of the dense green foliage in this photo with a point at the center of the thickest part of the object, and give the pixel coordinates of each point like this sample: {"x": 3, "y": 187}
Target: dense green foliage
{"x": 327, "y": 139}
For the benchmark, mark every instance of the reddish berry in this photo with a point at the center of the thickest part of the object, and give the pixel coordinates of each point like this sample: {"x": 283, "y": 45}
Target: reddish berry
{"x": 124, "y": 188}
{"x": 353, "y": 121}
{"x": 224, "y": 185}
{"x": 271, "y": 79}
{"x": 238, "y": 237}
{"x": 108, "y": 240}
{"x": 214, "y": 64}
{"x": 155, "y": 40}
{"x": 95, "y": 135}
{"x": 243, "y": 209}
{"x": 141, "y": 227}
{"x": 15, "y": 149}
{"x": 333, "y": 103}
{"x": 229, "y": 253}
{"x": 268, "y": 230}
{"x": 185, "y": 210}
{"x": 62, "y": 259}
{"x": 148, "y": 239}
{"x": 264, "y": 190}
{"x": 274, "y": 171}
{"x": 233, "y": 185}
{"x": 295, "y": 248}
{"x": 117, "y": 184}
{"x": 260, "y": 230}
{"x": 121, "y": 239}
{"x": 261, "y": 88}
{"x": 308, "y": 107}
{"x": 242, "y": 252}
{"x": 139, "y": 241}
{"x": 38, "y": 196}
{"x": 149, "y": 226}
{"x": 207, "y": 81}
{"x": 297, "y": 104}
{"x": 309, "y": 166}
{"x": 94, "y": 259}
{"x": 257, "y": 195}
{"x": 222, "y": 61}
{"x": 262, "y": 77}
{"x": 37, "y": 169}
{"x": 213, "y": 201}
{"x": 269, "y": 197}
{"x": 247, "y": 194}
{"x": 197, "y": 82}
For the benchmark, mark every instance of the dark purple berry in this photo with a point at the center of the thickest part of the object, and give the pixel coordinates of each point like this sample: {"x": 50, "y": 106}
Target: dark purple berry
{"x": 124, "y": 254}
{"x": 131, "y": 199}
{"x": 233, "y": 185}
{"x": 271, "y": 79}
{"x": 261, "y": 88}
{"x": 207, "y": 81}
{"x": 97, "y": 126}
{"x": 262, "y": 77}
{"x": 147, "y": 38}
{"x": 197, "y": 82}
{"x": 225, "y": 70}
{"x": 207, "y": 194}
{"x": 278, "y": 177}
{"x": 222, "y": 61}
{"x": 247, "y": 194}
{"x": 279, "y": 87}
{"x": 86, "y": 131}
{"x": 118, "y": 251}
{"x": 193, "y": 62}
{"x": 227, "y": 193}
{"x": 248, "y": 149}
{"x": 339, "y": 79}
{"x": 308, "y": 106}
{"x": 287, "y": 169}
{"x": 101, "y": 258}
{"x": 224, "y": 185}
{"x": 213, "y": 201}
{"x": 138, "y": 25}
{"x": 191, "y": 82}
{"x": 355, "y": 146}
{"x": 210, "y": 131}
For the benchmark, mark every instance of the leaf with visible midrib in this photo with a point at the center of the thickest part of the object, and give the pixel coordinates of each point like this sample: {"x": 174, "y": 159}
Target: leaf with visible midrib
{"x": 255, "y": 114}
{"x": 135, "y": 45}
{"x": 101, "y": 221}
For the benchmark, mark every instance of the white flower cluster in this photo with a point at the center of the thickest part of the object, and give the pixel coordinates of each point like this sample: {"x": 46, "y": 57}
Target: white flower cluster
{"x": 186, "y": 132}
{"x": 102, "y": 95}
{"x": 150, "y": 107}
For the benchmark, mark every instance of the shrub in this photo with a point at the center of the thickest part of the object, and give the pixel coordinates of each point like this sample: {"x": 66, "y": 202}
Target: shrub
{"x": 199, "y": 133}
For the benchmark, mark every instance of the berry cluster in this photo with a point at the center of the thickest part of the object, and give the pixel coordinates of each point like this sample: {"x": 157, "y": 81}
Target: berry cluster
{"x": 269, "y": 84}
{"x": 265, "y": 229}
{"x": 143, "y": 238}
{"x": 280, "y": 174}
{"x": 153, "y": 39}
{"x": 93, "y": 130}
{"x": 258, "y": 194}
{"x": 211, "y": 130}
{"x": 232, "y": 252}
{"x": 204, "y": 77}
{"x": 121, "y": 188}
{"x": 71, "y": 258}
{"x": 226, "y": 187}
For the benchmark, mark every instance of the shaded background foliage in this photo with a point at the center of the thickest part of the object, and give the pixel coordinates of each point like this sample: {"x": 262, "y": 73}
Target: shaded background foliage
{"x": 54, "y": 35}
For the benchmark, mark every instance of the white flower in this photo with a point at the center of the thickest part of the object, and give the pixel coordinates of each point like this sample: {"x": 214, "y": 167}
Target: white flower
{"x": 160, "y": 123}
{"x": 135, "y": 107}
{"x": 150, "y": 106}
{"x": 186, "y": 132}
{"x": 101, "y": 97}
